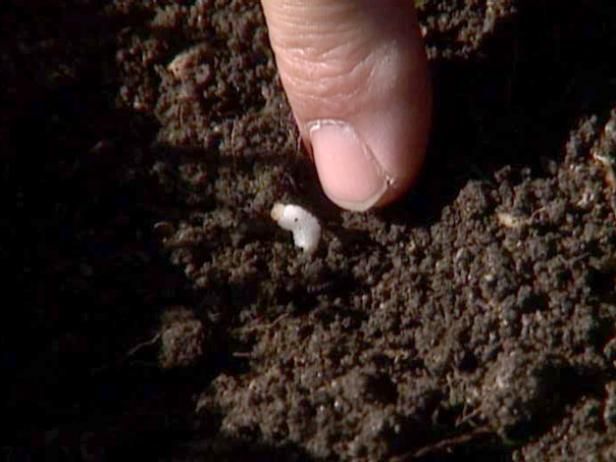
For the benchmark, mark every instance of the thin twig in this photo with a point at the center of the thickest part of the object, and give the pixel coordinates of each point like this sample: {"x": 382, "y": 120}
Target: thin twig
{"x": 445, "y": 445}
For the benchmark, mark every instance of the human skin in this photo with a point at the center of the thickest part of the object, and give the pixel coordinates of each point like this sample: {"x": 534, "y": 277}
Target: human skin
{"x": 356, "y": 76}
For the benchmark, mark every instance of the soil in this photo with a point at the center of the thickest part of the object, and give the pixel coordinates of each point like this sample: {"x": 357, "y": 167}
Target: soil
{"x": 152, "y": 309}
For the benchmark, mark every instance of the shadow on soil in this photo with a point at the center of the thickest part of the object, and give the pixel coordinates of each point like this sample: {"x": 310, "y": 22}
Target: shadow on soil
{"x": 82, "y": 270}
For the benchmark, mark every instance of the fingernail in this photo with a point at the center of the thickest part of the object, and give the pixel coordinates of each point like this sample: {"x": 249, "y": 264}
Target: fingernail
{"x": 349, "y": 173}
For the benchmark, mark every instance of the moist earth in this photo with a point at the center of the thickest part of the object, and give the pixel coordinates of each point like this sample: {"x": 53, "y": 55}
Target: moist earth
{"x": 151, "y": 307}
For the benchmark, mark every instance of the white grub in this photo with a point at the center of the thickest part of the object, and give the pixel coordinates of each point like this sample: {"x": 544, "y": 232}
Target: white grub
{"x": 305, "y": 227}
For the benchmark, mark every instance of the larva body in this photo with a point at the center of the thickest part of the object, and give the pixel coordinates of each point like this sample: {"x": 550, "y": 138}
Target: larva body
{"x": 304, "y": 226}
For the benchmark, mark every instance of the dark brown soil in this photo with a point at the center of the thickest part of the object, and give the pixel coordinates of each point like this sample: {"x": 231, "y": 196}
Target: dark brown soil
{"x": 152, "y": 309}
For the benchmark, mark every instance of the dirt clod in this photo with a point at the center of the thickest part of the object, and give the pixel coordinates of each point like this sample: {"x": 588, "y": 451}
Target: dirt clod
{"x": 182, "y": 344}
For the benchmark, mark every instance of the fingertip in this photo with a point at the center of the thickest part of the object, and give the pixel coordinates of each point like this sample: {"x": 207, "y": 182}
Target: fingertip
{"x": 357, "y": 81}
{"x": 350, "y": 175}
{"x": 358, "y": 175}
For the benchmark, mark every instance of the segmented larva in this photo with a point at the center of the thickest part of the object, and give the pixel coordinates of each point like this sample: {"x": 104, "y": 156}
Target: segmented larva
{"x": 304, "y": 226}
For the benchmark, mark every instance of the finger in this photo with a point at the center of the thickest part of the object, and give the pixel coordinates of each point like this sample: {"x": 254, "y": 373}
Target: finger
{"x": 355, "y": 74}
